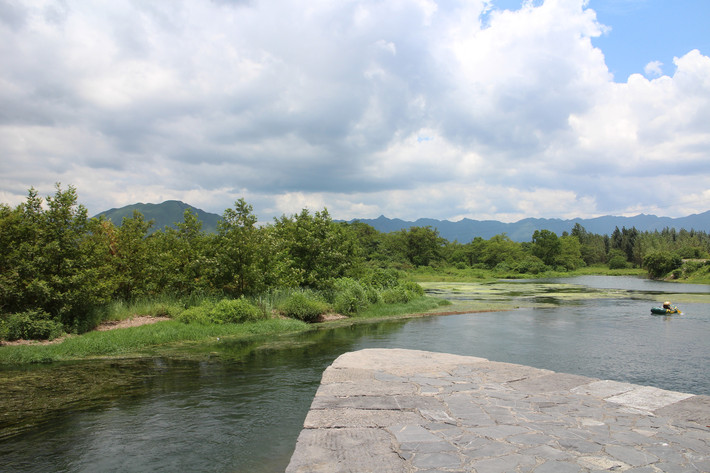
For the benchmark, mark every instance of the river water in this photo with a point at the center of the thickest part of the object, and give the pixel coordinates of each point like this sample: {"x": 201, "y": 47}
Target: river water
{"x": 245, "y": 415}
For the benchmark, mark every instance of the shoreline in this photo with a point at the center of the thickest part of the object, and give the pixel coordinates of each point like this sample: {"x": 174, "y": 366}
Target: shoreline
{"x": 187, "y": 346}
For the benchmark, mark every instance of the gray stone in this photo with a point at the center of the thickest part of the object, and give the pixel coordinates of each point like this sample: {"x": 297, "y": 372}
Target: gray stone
{"x": 629, "y": 437}
{"x": 405, "y": 410}
{"x": 555, "y": 466}
{"x": 412, "y": 434}
{"x": 531, "y": 439}
{"x": 365, "y": 388}
{"x": 345, "y": 450}
{"x": 428, "y": 381}
{"x": 548, "y": 452}
{"x": 428, "y": 447}
{"x": 498, "y": 431}
{"x": 437, "y": 416}
{"x": 489, "y": 449}
{"x": 436, "y": 460}
{"x": 603, "y": 389}
{"x": 677, "y": 468}
{"x": 647, "y": 398}
{"x": 341, "y": 418}
{"x": 579, "y": 445}
{"x": 643, "y": 469}
{"x": 508, "y": 463}
{"x": 694, "y": 409}
{"x": 630, "y": 455}
{"x": 550, "y": 383}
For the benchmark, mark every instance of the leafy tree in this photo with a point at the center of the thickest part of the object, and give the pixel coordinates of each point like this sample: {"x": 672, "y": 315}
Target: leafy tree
{"x": 240, "y": 266}
{"x": 660, "y": 263}
{"x": 368, "y": 238}
{"x": 132, "y": 257}
{"x": 546, "y": 246}
{"x": 318, "y": 248}
{"x": 181, "y": 261}
{"x": 570, "y": 255}
{"x": 422, "y": 245}
{"x": 500, "y": 249}
{"x": 530, "y": 264}
{"x": 44, "y": 266}
{"x": 625, "y": 240}
{"x": 592, "y": 247}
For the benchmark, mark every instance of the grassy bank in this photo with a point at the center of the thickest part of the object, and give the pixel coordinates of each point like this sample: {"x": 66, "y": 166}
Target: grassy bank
{"x": 178, "y": 339}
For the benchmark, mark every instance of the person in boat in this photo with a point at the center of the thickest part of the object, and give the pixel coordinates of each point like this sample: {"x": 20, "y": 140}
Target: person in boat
{"x": 667, "y": 305}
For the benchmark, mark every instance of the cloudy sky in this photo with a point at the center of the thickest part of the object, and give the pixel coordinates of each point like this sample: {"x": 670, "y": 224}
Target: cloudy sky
{"x": 486, "y": 109}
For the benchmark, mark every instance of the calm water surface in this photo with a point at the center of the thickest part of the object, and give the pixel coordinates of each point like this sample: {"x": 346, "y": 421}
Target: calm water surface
{"x": 245, "y": 416}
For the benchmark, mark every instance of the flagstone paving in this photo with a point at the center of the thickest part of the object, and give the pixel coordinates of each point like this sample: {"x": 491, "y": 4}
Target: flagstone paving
{"x": 391, "y": 410}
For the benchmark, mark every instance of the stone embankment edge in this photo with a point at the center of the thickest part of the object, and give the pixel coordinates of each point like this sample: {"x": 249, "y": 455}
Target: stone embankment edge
{"x": 392, "y": 410}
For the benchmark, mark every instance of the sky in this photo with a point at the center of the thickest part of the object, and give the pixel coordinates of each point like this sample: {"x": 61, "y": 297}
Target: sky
{"x": 447, "y": 109}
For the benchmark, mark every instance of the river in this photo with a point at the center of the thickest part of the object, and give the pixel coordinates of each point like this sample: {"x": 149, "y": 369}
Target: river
{"x": 244, "y": 415}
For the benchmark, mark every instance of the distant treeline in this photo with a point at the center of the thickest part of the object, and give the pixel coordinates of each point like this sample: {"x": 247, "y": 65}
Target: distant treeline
{"x": 62, "y": 265}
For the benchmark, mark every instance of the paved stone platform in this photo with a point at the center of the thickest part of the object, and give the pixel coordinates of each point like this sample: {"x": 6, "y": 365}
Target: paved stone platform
{"x": 387, "y": 411}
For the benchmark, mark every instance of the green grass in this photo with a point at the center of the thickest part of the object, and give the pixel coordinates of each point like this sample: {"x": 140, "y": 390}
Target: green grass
{"x": 160, "y": 306}
{"x": 146, "y": 339}
{"x": 174, "y": 338}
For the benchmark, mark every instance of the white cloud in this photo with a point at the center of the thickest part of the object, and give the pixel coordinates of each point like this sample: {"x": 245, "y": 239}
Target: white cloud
{"x": 409, "y": 108}
{"x": 654, "y": 69}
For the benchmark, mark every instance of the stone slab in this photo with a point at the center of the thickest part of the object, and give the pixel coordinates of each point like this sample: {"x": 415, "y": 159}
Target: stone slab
{"x": 412, "y": 411}
{"x": 647, "y": 398}
{"x": 694, "y": 409}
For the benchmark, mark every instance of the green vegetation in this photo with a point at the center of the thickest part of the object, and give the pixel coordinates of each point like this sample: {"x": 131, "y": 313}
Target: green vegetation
{"x": 304, "y": 305}
{"x": 143, "y": 340}
{"x": 61, "y": 272}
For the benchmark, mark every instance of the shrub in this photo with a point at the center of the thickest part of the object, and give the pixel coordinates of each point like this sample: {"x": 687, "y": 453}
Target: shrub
{"x": 196, "y": 315}
{"x": 380, "y": 278}
{"x": 226, "y": 311}
{"x": 33, "y": 325}
{"x": 372, "y": 294}
{"x": 303, "y": 306}
{"x": 617, "y": 262}
{"x": 414, "y": 288}
{"x": 349, "y": 296}
{"x": 397, "y": 295}
{"x": 234, "y": 311}
{"x": 530, "y": 265}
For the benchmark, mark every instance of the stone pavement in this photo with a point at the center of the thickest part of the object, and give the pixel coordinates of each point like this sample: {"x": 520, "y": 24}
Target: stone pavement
{"x": 387, "y": 411}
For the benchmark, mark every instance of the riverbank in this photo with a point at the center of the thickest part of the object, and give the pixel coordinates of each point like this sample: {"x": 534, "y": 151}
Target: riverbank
{"x": 176, "y": 339}
{"x": 193, "y": 341}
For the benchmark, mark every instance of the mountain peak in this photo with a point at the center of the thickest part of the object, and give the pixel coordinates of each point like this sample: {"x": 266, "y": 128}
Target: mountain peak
{"x": 165, "y": 214}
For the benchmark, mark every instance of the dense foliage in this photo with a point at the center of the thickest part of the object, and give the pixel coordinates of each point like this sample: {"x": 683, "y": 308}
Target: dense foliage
{"x": 59, "y": 269}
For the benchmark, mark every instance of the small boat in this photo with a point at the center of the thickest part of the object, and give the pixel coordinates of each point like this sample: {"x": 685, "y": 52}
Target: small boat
{"x": 664, "y": 311}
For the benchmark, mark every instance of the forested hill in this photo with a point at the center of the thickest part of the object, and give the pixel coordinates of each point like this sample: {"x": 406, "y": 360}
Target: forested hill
{"x": 164, "y": 215}
{"x": 465, "y": 230}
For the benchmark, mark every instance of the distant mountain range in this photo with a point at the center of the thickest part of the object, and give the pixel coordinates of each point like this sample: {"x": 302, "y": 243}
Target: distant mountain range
{"x": 463, "y": 231}
{"x": 163, "y": 215}
{"x": 466, "y": 230}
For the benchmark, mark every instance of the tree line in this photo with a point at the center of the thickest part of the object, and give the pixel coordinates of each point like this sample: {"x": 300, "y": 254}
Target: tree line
{"x": 59, "y": 265}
